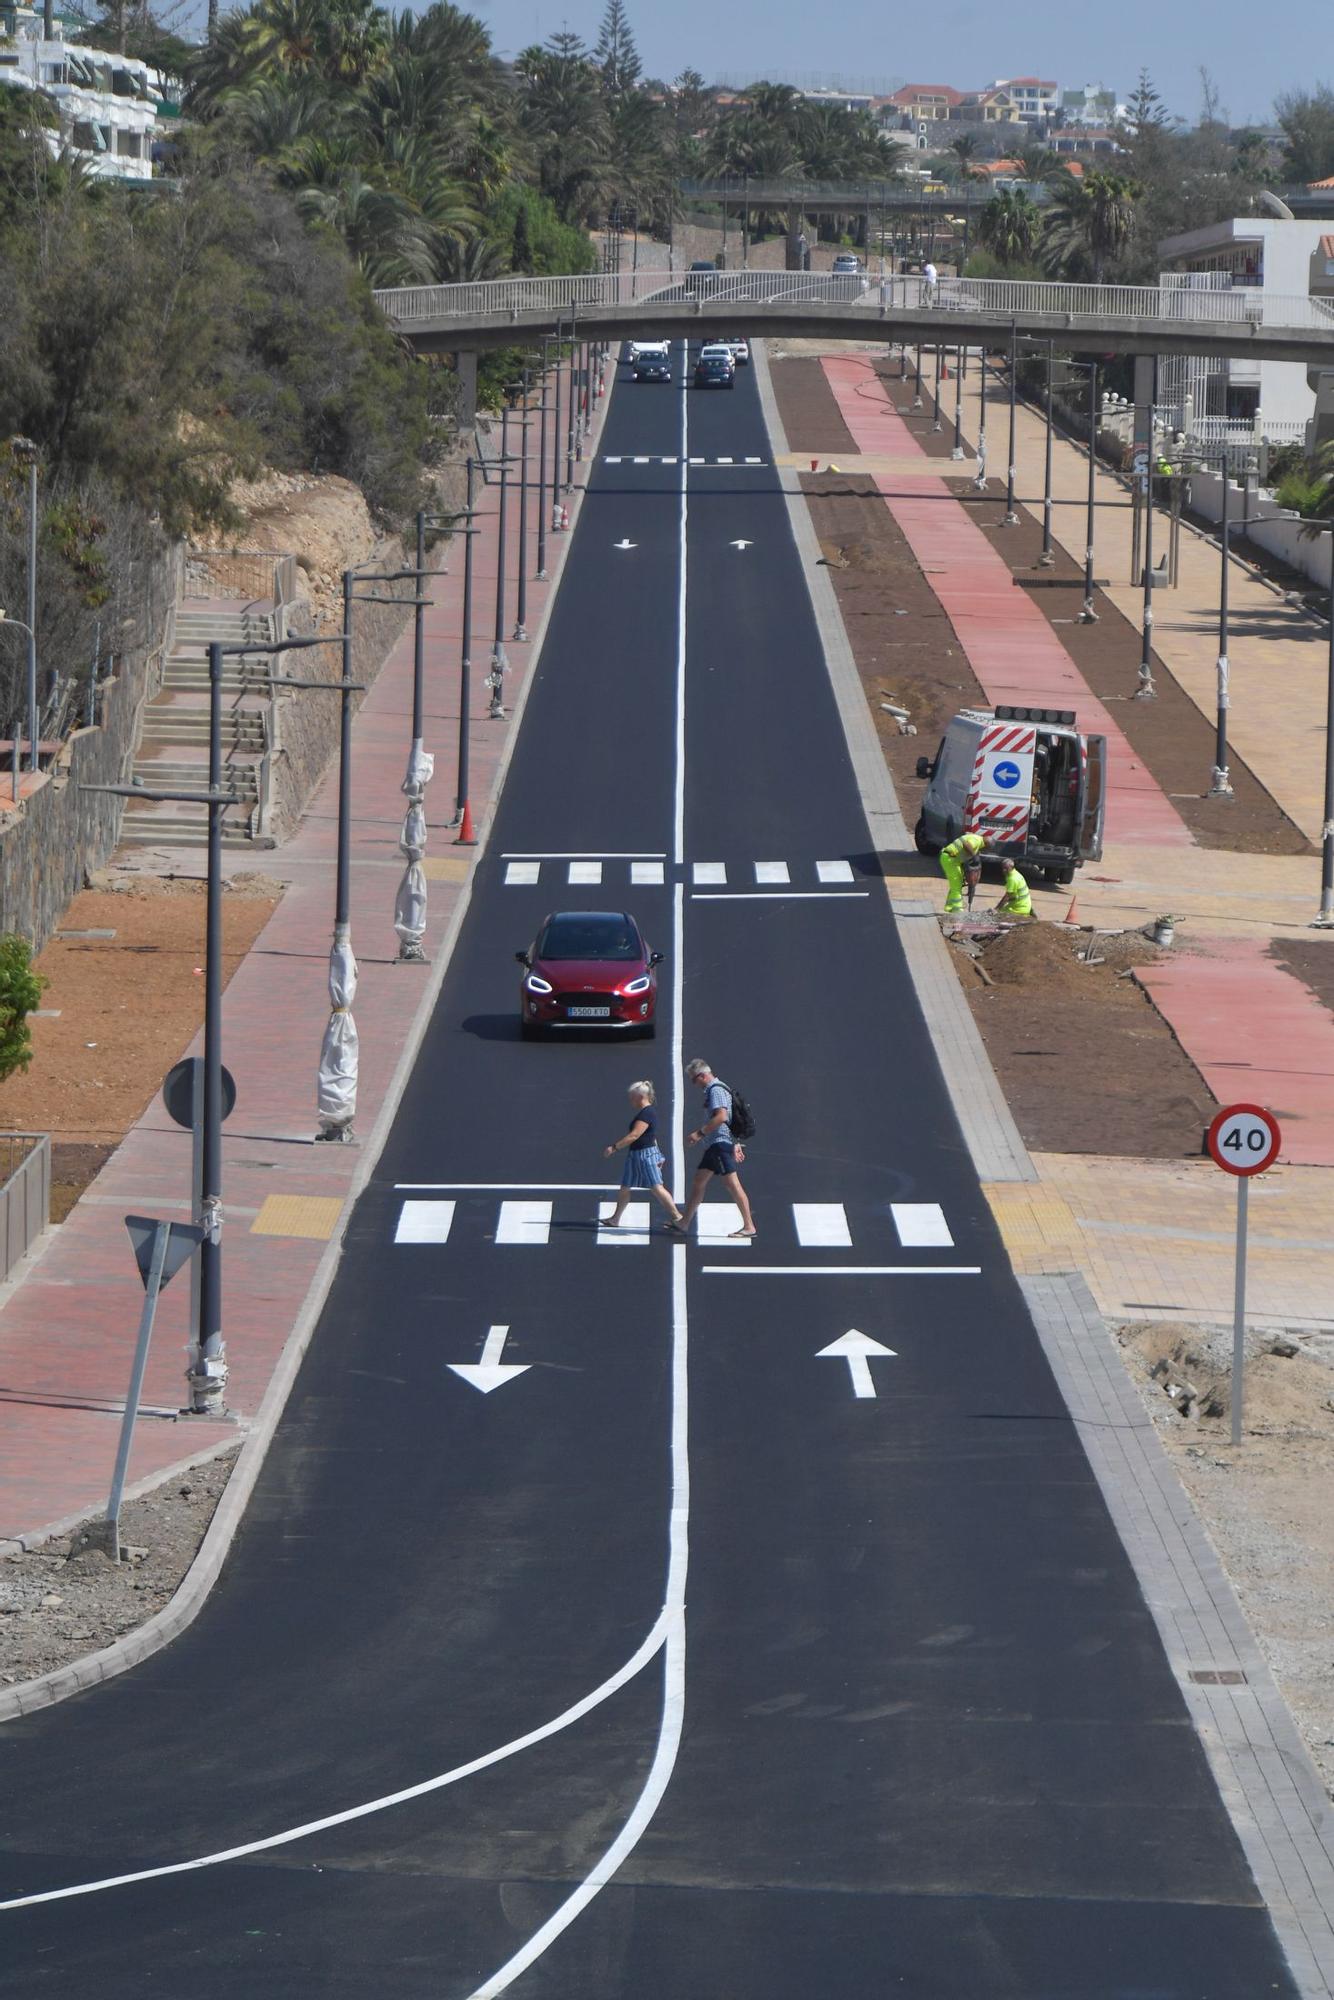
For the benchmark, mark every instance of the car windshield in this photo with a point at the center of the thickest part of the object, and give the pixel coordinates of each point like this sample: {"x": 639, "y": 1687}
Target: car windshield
{"x": 590, "y": 934}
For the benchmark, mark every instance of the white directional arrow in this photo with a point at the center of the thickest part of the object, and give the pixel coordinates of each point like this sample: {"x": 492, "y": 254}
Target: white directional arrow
{"x": 856, "y": 1349}
{"x": 626, "y": 544}
{"x": 741, "y": 545}
{"x": 488, "y": 1373}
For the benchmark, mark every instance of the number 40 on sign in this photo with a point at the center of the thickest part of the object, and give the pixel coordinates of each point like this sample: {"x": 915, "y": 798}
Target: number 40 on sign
{"x": 1243, "y": 1140}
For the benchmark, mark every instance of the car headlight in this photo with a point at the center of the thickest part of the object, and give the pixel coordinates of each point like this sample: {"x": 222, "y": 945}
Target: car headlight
{"x": 639, "y": 985}
{"x": 536, "y": 985}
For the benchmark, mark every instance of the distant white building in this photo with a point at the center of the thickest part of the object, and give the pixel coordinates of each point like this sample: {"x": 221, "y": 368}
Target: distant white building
{"x": 110, "y": 107}
{"x": 1035, "y": 98}
{"x": 1091, "y": 104}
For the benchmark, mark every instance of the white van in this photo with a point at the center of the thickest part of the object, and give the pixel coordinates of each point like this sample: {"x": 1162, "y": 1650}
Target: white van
{"x": 1024, "y": 775}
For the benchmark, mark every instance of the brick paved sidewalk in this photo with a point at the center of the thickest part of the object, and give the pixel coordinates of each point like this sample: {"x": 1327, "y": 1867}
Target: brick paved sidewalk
{"x": 68, "y": 1325}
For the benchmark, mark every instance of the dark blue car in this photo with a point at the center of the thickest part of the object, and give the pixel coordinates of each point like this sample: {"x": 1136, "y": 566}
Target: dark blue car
{"x": 715, "y": 368}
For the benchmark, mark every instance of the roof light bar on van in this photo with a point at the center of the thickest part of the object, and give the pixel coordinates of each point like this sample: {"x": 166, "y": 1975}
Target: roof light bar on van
{"x": 1058, "y": 717}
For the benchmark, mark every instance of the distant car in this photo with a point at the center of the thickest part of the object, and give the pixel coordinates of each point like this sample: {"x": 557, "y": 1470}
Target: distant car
{"x": 715, "y": 368}
{"x": 847, "y": 264}
{"x": 740, "y": 351}
{"x": 699, "y": 274}
{"x": 589, "y": 969}
{"x": 651, "y": 360}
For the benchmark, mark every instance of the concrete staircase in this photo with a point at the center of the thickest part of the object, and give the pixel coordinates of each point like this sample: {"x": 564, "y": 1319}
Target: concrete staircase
{"x": 173, "y": 738}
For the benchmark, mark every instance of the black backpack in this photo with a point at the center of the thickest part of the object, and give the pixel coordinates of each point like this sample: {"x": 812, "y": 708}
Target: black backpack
{"x": 742, "y": 1119}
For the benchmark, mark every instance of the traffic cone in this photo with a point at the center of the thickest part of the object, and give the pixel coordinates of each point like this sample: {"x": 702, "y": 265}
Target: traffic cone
{"x": 944, "y": 371}
{"x": 815, "y": 465}
{"x": 564, "y": 515}
{"x": 466, "y": 837}
{"x": 1072, "y": 914}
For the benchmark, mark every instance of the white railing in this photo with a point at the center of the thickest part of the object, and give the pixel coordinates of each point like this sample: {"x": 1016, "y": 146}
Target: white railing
{"x": 1002, "y": 298}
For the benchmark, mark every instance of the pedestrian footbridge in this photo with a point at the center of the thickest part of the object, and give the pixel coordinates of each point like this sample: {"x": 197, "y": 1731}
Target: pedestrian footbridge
{"x": 1093, "y": 319}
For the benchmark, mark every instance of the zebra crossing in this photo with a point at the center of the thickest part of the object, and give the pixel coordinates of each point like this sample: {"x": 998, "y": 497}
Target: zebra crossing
{"x": 526, "y": 1223}
{"x": 523, "y": 871}
{"x": 654, "y": 458}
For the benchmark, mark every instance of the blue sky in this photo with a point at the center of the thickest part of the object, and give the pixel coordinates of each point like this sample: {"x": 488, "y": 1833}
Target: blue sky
{"x": 1252, "y": 53}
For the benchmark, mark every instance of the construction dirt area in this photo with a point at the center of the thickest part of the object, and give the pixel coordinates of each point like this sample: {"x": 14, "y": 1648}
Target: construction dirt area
{"x": 1087, "y": 1063}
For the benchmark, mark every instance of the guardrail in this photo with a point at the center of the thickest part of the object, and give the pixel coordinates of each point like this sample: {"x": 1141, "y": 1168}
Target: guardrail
{"x": 1004, "y": 299}
{"x": 255, "y": 575}
{"x": 25, "y": 1194}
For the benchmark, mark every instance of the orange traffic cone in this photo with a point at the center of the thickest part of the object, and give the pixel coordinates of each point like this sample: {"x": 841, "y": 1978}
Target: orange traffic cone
{"x": 466, "y": 838}
{"x": 1072, "y": 914}
{"x": 815, "y": 465}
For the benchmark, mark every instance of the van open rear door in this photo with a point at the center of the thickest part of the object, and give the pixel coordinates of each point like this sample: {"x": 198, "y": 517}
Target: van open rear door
{"x": 1095, "y": 798}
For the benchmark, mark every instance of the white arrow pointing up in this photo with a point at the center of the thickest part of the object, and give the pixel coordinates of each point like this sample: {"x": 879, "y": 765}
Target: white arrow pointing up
{"x": 626, "y": 544}
{"x": 741, "y": 545}
{"x": 488, "y": 1373}
{"x": 856, "y": 1349}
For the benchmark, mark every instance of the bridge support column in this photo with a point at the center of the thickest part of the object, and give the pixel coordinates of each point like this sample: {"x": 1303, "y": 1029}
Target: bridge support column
{"x": 465, "y": 365}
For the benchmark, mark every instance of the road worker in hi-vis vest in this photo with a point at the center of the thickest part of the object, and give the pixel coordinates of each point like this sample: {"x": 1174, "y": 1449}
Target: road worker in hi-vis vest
{"x": 1017, "y": 901}
{"x": 954, "y": 859}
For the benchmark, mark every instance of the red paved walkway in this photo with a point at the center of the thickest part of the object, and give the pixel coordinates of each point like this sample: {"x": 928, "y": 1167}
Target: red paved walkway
{"x": 67, "y": 1331}
{"x": 1010, "y": 646}
{"x": 1257, "y": 1034}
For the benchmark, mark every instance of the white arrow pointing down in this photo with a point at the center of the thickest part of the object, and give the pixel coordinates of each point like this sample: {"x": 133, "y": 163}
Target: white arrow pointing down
{"x": 856, "y": 1349}
{"x": 488, "y": 1373}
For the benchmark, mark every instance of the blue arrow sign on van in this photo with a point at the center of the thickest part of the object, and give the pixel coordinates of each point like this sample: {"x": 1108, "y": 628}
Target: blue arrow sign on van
{"x": 1006, "y": 775}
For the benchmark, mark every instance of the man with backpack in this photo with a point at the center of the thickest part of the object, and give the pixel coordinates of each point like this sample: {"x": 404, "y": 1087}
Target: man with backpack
{"x": 726, "y": 1124}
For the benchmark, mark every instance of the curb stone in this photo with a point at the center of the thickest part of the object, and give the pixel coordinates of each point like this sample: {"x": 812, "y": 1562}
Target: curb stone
{"x": 1269, "y": 1786}
{"x": 193, "y": 1590}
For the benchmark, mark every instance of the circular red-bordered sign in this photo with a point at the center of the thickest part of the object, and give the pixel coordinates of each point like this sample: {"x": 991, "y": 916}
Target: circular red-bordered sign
{"x": 1244, "y": 1139}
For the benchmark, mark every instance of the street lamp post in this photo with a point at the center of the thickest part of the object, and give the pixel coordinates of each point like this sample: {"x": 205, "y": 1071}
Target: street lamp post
{"x": 980, "y": 478}
{"x": 1088, "y": 615}
{"x": 1146, "y": 689}
{"x": 17, "y": 625}
{"x": 499, "y": 662}
{"x": 572, "y": 414}
{"x": 957, "y": 452}
{"x": 917, "y": 378}
{"x": 26, "y": 452}
{"x": 521, "y": 608}
{"x": 1011, "y": 511}
{"x": 463, "y": 814}
{"x": 1048, "y": 556}
{"x": 939, "y": 423}
{"x": 1221, "y": 784}
{"x": 556, "y": 447}
{"x": 542, "y": 471}
{"x": 1325, "y": 921}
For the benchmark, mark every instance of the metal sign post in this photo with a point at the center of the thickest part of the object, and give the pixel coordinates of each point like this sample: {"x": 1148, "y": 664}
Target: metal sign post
{"x": 1243, "y": 1140}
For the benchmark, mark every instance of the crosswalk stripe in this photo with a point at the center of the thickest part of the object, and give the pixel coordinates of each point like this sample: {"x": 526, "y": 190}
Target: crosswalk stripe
{"x": 724, "y": 461}
{"x": 646, "y": 872}
{"x": 822, "y": 1225}
{"x": 709, "y": 872}
{"x": 611, "y": 461}
{"x": 671, "y": 461}
{"x": 716, "y": 1223}
{"x": 633, "y": 1226}
{"x": 921, "y": 1225}
{"x": 639, "y": 461}
{"x": 424, "y": 1222}
{"x": 524, "y": 1222}
{"x": 521, "y": 873}
{"x": 754, "y": 461}
{"x": 771, "y": 871}
{"x": 586, "y": 872}
{"x": 834, "y": 871}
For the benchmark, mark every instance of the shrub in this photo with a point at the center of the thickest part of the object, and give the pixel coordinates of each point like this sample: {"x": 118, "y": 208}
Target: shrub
{"x": 20, "y": 991}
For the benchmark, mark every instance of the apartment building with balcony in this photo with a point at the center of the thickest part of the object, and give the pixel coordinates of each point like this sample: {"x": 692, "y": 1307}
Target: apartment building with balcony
{"x": 113, "y": 110}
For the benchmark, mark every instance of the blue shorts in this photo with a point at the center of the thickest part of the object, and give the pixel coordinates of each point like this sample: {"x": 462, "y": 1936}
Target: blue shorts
{"x": 719, "y": 1158}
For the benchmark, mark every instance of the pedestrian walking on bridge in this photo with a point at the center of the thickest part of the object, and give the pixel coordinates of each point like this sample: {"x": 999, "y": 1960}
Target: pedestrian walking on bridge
{"x": 962, "y": 853}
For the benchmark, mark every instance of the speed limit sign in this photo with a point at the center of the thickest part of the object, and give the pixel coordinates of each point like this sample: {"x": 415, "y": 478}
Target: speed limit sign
{"x": 1244, "y": 1139}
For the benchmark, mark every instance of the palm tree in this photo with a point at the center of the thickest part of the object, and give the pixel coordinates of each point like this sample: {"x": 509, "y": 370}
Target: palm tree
{"x": 1039, "y": 164}
{"x": 1011, "y": 226}
{"x": 392, "y": 243}
{"x": 964, "y": 149}
{"x": 1090, "y": 222}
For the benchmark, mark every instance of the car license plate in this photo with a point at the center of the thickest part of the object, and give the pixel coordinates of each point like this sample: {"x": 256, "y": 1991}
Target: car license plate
{"x": 588, "y": 1013}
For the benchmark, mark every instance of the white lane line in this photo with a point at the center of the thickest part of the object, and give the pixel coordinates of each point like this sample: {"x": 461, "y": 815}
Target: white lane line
{"x": 641, "y": 461}
{"x": 716, "y": 1224}
{"x": 637, "y": 1661}
{"x": 520, "y": 874}
{"x": 524, "y": 1222}
{"x": 822, "y": 1225}
{"x": 779, "y": 896}
{"x": 709, "y": 871}
{"x": 772, "y": 871}
{"x": 611, "y": 461}
{"x": 754, "y": 461}
{"x": 500, "y": 1187}
{"x": 633, "y": 1226}
{"x": 586, "y": 872}
{"x": 921, "y": 1225}
{"x": 668, "y": 461}
{"x": 678, "y": 1543}
{"x": 424, "y": 1222}
{"x": 568, "y": 854}
{"x": 695, "y": 461}
{"x": 644, "y": 873}
{"x": 846, "y": 1270}
{"x": 833, "y": 871}
{"x": 724, "y": 461}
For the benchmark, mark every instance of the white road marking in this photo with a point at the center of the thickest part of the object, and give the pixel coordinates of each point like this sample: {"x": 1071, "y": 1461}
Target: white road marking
{"x": 772, "y": 871}
{"x": 781, "y": 896}
{"x": 587, "y": 873}
{"x": 625, "y": 543}
{"x": 722, "y": 461}
{"x": 568, "y": 854}
{"x": 424, "y": 1222}
{"x": 521, "y": 874}
{"x": 490, "y": 1372}
{"x": 741, "y": 545}
{"x": 634, "y": 1224}
{"x": 921, "y": 1225}
{"x": 524, "y": 1222}
{"x": 639, "y": 461}
{"x": 638, "y": 1660}
{"x": 645, "y": 873}
{"x": 754, "y": 461}
{"x": 709, "y": 871}
{"x": 822, "y": 1225}
{"x": 499, "y": 1187}
{"x": 847, "y": 1270}
{"x": 856, "y": 1349}
{"x": 695, "y": 461}
{"x": 667, "y": 461}
{"x": 834, "y": 871}
{"x": 716, "y": 1223}
{"x": 612, "y": 461}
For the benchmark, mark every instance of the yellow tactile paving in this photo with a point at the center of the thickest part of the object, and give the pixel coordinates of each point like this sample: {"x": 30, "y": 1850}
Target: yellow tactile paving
{"x": 313, "y": 1215}
{"x": 446, "y": 867}
{"x": 1156, "y": 1236}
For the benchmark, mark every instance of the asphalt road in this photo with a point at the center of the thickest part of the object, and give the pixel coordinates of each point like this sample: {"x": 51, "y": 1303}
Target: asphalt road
{"x": 707, "y": 1677}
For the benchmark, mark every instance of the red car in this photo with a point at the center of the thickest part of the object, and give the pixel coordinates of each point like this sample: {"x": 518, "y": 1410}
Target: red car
{"x": 589, "y": 969}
